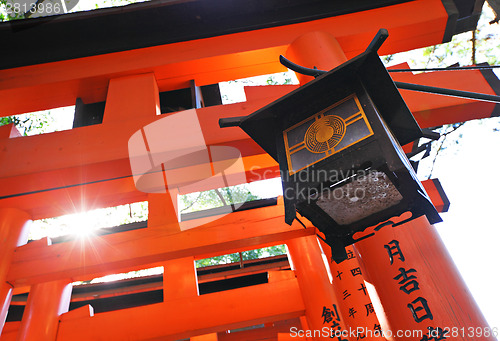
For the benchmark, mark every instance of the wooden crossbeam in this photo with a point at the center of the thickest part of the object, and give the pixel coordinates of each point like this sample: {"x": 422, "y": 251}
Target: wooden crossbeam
{"x": 133, "y": 250}
{"x": 187, "y": 317}
{"x": 214, "y": 59}
{"x": 435, "y": 110}
{"x": 69, "y": 171}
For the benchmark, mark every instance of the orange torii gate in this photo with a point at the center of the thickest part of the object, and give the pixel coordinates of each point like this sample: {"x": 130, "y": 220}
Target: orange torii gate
{"x": 89, "y": 167}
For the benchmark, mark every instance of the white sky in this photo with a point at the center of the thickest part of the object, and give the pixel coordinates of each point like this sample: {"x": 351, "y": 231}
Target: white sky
{"x": 468, "y": 172}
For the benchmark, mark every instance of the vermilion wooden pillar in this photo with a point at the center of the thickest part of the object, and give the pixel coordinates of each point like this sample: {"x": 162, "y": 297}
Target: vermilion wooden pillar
{"x": 414, "y": 283}
{"x": 352, "y": 293}
{"x": 179, "y": 279}
{"x": 46, "y": 302}
{"x": 418, "y": 286}
{"x": 315, "y": 49}
{"x": 14, "y": 229}
{"x": 322, "y": 308}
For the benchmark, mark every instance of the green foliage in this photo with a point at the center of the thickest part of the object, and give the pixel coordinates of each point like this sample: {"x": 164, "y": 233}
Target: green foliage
{"x": 31, "y": 123}
{"x": 7, "y": 13}
{"x": 387, "y": 59}
{"x": 246, "y": 255}
{"x": 264, "y": 252}
{"x": 274, "y": 80}
{"x": 465, "y": 49}
{"x": 198, "y": 201}
{"x": 9, "y": 120}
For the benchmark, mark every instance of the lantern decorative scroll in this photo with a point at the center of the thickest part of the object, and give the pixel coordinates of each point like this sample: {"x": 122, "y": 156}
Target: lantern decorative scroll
{"x": 338, "y": 140}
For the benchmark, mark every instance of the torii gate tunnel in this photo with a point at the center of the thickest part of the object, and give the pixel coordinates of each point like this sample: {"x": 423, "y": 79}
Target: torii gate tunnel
{"x": 144, "y": 79}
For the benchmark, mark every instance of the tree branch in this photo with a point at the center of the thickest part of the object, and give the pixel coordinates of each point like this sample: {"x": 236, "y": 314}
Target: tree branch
{"x": 443, "y": 136}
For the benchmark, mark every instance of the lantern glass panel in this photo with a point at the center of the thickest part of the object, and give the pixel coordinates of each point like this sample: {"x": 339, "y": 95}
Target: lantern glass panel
{"x": 363, "y": 196}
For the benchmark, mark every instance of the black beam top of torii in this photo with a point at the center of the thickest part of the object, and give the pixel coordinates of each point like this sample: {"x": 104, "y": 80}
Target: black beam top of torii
{"x": 82, "y": 34}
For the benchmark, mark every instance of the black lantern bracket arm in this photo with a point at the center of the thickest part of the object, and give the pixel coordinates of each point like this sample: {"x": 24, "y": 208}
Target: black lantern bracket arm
{"x": 230, "y": 121}
{"x": 401, "y": 85}
{"x": 378, "y": 40}
{"x": 374, "y": 45}
{"x": 301, "y": 69}
{"x": 448, "y": 92}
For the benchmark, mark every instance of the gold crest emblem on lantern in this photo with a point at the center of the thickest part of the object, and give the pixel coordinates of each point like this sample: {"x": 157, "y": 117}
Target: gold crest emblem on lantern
{"x": 325, "y": 133}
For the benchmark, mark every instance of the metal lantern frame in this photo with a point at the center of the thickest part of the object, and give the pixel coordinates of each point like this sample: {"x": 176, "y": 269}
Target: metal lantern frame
{"x": 315, "y": 109}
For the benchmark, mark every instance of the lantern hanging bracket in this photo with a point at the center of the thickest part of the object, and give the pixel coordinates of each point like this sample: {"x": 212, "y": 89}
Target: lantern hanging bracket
{"x": 375, "y": 44}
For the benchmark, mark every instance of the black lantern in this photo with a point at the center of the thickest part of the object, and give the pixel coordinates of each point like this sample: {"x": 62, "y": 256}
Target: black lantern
{"x": 337, "y": 141}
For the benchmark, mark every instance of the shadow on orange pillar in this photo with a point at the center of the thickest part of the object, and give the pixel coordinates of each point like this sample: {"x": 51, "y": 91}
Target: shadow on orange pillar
{"x": 419, "y": 289}
{"x": 355, "y": 304}
{"x": 14, "y": 229}
{"x": 322, "y": 309}
{"x": 46, "y": 303}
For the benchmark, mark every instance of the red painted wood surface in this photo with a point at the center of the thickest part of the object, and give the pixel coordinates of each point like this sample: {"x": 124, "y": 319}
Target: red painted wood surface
{"x": 212, "y": 60}
{"x": 187, "y": 317}
{"x": 418, "y": 285}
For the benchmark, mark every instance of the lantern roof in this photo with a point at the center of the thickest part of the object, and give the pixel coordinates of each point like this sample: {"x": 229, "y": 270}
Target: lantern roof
{"x": 364, "y": 71}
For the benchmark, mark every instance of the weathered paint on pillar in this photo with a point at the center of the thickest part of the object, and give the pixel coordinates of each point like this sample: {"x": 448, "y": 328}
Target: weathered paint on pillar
{"x": 14, "y": 229}
{"x": 322, "y": 308}
{"x": 419, "y": 286}
{"x": 46, "y": 303}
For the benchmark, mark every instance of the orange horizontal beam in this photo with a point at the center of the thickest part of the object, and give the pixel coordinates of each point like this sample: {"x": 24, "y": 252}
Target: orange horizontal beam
{"x": 267, "y": 333}
{"x": 84, "y": 146}
{"x": 191, "y": 316}
{"x": 239, "y": 231}
{"x": 92, "y": 145}
{"x": 64, "y": 160}
{"x": 215, "y": 59}
{"x": 42, "y": 180}
{"x": 59, "y": 196}
{"x": 248, "y": 269}
{"x": 432, "y": 110}
{"x": 127, "y": 251}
